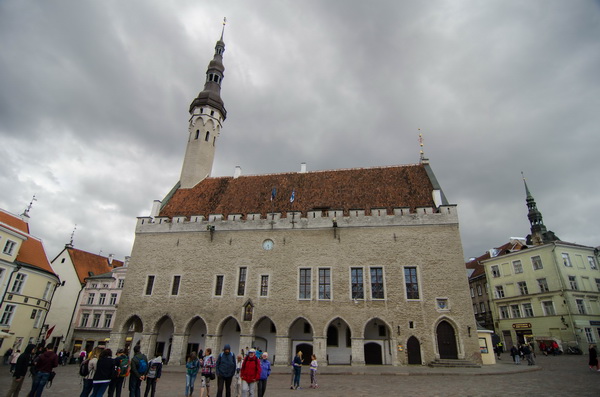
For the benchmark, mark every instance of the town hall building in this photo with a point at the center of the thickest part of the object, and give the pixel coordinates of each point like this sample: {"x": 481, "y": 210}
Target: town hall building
{"x": 358, "y": 266}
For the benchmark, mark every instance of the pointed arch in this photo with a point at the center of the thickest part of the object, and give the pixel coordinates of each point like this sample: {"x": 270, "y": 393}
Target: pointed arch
{"x": 339, "y": 342}
{"x": 265, "y": 331}
{"x": 133, "y": 324}
{"x": 229, "y": 330}
{"x": 377, "y": 335}
{"x": 446, "y": 339}
{"x": 413, "y": 351}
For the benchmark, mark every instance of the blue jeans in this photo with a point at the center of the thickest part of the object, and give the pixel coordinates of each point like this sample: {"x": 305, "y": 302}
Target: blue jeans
{"x": 39, "y": 381}
{"x": 99, "y": 389}
{"x": 189, "y": 384}
{"x": 134, "y": 386}
{"x": 297, "y": 376}
{"x": 88, "y": 385}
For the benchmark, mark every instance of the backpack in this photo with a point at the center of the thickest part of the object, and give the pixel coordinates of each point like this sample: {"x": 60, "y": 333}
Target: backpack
{"x": 123, "y": 366}
{"x": 142, "y": 366}
{"x": 84, "y": 369}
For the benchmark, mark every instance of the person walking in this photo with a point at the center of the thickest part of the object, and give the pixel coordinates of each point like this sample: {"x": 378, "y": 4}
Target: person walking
{"x": 515, "y": 354}
{"x": 208, "y": 372}
{"x": 105, "y": 371}
{"x": 88, "y": 380}
{"x": 528, "y": 354}
{"x": 13, "y": 360}
{"x": 250, "y": 373}
{"x": 138, "y": 370}
{"x": 237, "y": 380}
{"x": 225, "y": 370}
{"x": 44, "y": 365}
{"x": 20, "y": 371}
{"x": 265, "y": 371}
{"x": 313, "y": 372}
{"x": 7, "y": 355}
{"x": 154, "y": 373}
{"x": 297, "y": 370}
{"x": 593, "y": 361}
{"x": 192, "y": 366}
{"x": 122, "y": 371}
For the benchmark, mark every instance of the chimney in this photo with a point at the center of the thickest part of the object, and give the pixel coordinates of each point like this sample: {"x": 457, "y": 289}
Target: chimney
{"x": 110, "y": 259}
{"x": 303, "y": 168}
{"x": 237, "y": 172}
{"x": 155, "y": 208}
{"x": 126, "y": 261}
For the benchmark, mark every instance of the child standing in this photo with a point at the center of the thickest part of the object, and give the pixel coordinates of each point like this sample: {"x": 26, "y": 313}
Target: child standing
{"x": 313, "y": 372}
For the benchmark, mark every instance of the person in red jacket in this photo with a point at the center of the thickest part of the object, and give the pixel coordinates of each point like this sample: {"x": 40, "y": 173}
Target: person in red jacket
{"x": 250, "y": 373}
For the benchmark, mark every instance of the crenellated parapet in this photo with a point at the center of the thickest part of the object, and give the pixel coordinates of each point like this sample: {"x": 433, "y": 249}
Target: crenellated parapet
{"x": 316, "y": 219}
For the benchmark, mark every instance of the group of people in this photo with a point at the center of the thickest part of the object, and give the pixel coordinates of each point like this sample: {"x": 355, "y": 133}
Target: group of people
{"x": 40, "y": 362}
{"x": 522, "y": 351}
{"x": 297, "y": 363}
{"x": 550, "y": 348}
{"x": 248, "y": 373}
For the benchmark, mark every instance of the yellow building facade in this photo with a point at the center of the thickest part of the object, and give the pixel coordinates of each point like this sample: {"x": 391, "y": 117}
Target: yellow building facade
{"x": 27, "y": 284}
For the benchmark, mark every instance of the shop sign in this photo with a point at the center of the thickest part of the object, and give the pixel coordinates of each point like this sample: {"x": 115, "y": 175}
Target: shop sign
{"x": 521, "y": 325}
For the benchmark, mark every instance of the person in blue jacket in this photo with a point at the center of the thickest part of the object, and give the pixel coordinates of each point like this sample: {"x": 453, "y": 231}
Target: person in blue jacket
{"x": 265, "y": 371}
{"x": 225, "y": 369}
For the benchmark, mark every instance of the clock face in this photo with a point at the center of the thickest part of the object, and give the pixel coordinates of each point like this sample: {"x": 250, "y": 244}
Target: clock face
{"x": 268, "y": 245}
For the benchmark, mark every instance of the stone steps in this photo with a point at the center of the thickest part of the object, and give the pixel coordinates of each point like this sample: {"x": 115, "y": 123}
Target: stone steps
{"x": 446, "y": 363}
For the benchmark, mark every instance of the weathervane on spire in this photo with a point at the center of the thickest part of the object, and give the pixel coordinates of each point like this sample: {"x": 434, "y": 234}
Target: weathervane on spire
{"x": 223, "y": 31}
{"x": 421, "y": 144}
{"x": 72, "y": 236}
{"x": 26, "y": 212}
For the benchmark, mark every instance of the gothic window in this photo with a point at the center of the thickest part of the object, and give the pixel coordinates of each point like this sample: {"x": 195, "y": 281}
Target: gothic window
{"x": 219, "y": 285}
{"x": 411, "y": 282}
{"x": 206, "y": 136}
{"x": 149, "y": 285}
{"x": 356, "y": 280}
{"x": 175, "y": 286}
{"x": 197, "y": 134}
{"x": 248, "y": 311}
{"x": 242, "y": 281}
{"x": 377, "y": 291}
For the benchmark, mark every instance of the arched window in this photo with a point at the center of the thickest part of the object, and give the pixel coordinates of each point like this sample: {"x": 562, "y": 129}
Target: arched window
{"x": 207, "y": 136}
{"x": 197, "y": 133}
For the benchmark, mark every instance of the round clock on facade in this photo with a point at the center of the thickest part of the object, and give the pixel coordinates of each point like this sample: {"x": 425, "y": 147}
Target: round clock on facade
{"x": 268, "y": 245}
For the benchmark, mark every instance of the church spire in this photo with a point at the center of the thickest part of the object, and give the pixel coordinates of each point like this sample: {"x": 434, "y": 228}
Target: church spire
{"x": 539, "y": 235}
{"x": 208, "y": 114}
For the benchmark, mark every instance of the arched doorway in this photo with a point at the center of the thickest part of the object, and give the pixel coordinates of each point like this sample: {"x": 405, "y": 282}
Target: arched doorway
{"x": 339, "y": 342}
{"x": 301, "y": 337}
{"x": 446, "y": 338}
{"x": 133, "y": 329}
{"x": 264, "y": 337}
{"x": 196, "y": 336}
{"x": 164, "y": 339}
{"x": 377, "y": 343}
{"x": 413, "y": 349}
{"x": 230, "y": 334}
{"x": 373, "y": 354}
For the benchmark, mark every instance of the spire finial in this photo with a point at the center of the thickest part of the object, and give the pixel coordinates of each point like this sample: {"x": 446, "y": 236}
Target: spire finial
{"x": 422, "y": 155}
{"x": 525, "y": 182}
{"x": 223, "y": 31}
{"x": 26, "y": 212}
{"x": 72, "y": 236}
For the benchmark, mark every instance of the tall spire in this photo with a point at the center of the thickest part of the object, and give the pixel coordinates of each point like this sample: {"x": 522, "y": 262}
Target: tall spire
{"x": 211, "y": 94}
{"x": 208, "y": 114}
{"x": 539, "y": 235}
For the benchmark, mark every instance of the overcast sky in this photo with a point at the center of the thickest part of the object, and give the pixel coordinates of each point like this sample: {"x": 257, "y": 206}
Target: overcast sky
{"x": 94, "y": 105}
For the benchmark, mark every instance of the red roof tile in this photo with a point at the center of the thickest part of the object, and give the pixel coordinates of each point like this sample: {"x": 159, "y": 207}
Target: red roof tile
{"x": 347, "y": 189}
{"x": 86, "y": 263}
{"x": 32, "y": 250}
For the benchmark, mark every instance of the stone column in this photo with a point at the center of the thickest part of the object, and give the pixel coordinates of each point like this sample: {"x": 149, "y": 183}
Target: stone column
{"x": 246, "y": 340}
{"x": 283, "y": 350}
{"x": 212, "y": 341}
{"x": 148, "y": 343}
{"x": 177, "y": 350}
{"x": 358, "y": 351}
{"x": 319, "y": 349}
{"x": 117, "y": 340}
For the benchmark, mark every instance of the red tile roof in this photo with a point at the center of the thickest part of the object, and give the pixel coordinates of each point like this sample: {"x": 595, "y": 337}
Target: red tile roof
{"x": 86, "y": 263}
{"x": 32, "y": 250}
{"x": 479, "y": 269}
{"x": 346, "y": 189}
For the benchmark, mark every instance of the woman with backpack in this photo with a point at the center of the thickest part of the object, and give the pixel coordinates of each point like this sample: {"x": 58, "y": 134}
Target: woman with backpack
{"x": 154, "y": 372}
{"x": 87, "y": 369}
{"x": 122, "y": 366}
{"x": 192, "y": 367}
{"x": 105, "y": 370}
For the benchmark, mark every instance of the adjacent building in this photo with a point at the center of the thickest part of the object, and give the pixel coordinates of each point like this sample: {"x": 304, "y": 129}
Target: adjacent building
{"x": 360, "y": 266}
{"x": 545, "y": 290}
{"x": 82, "y": 295}
{"x": 27, "y": 284}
